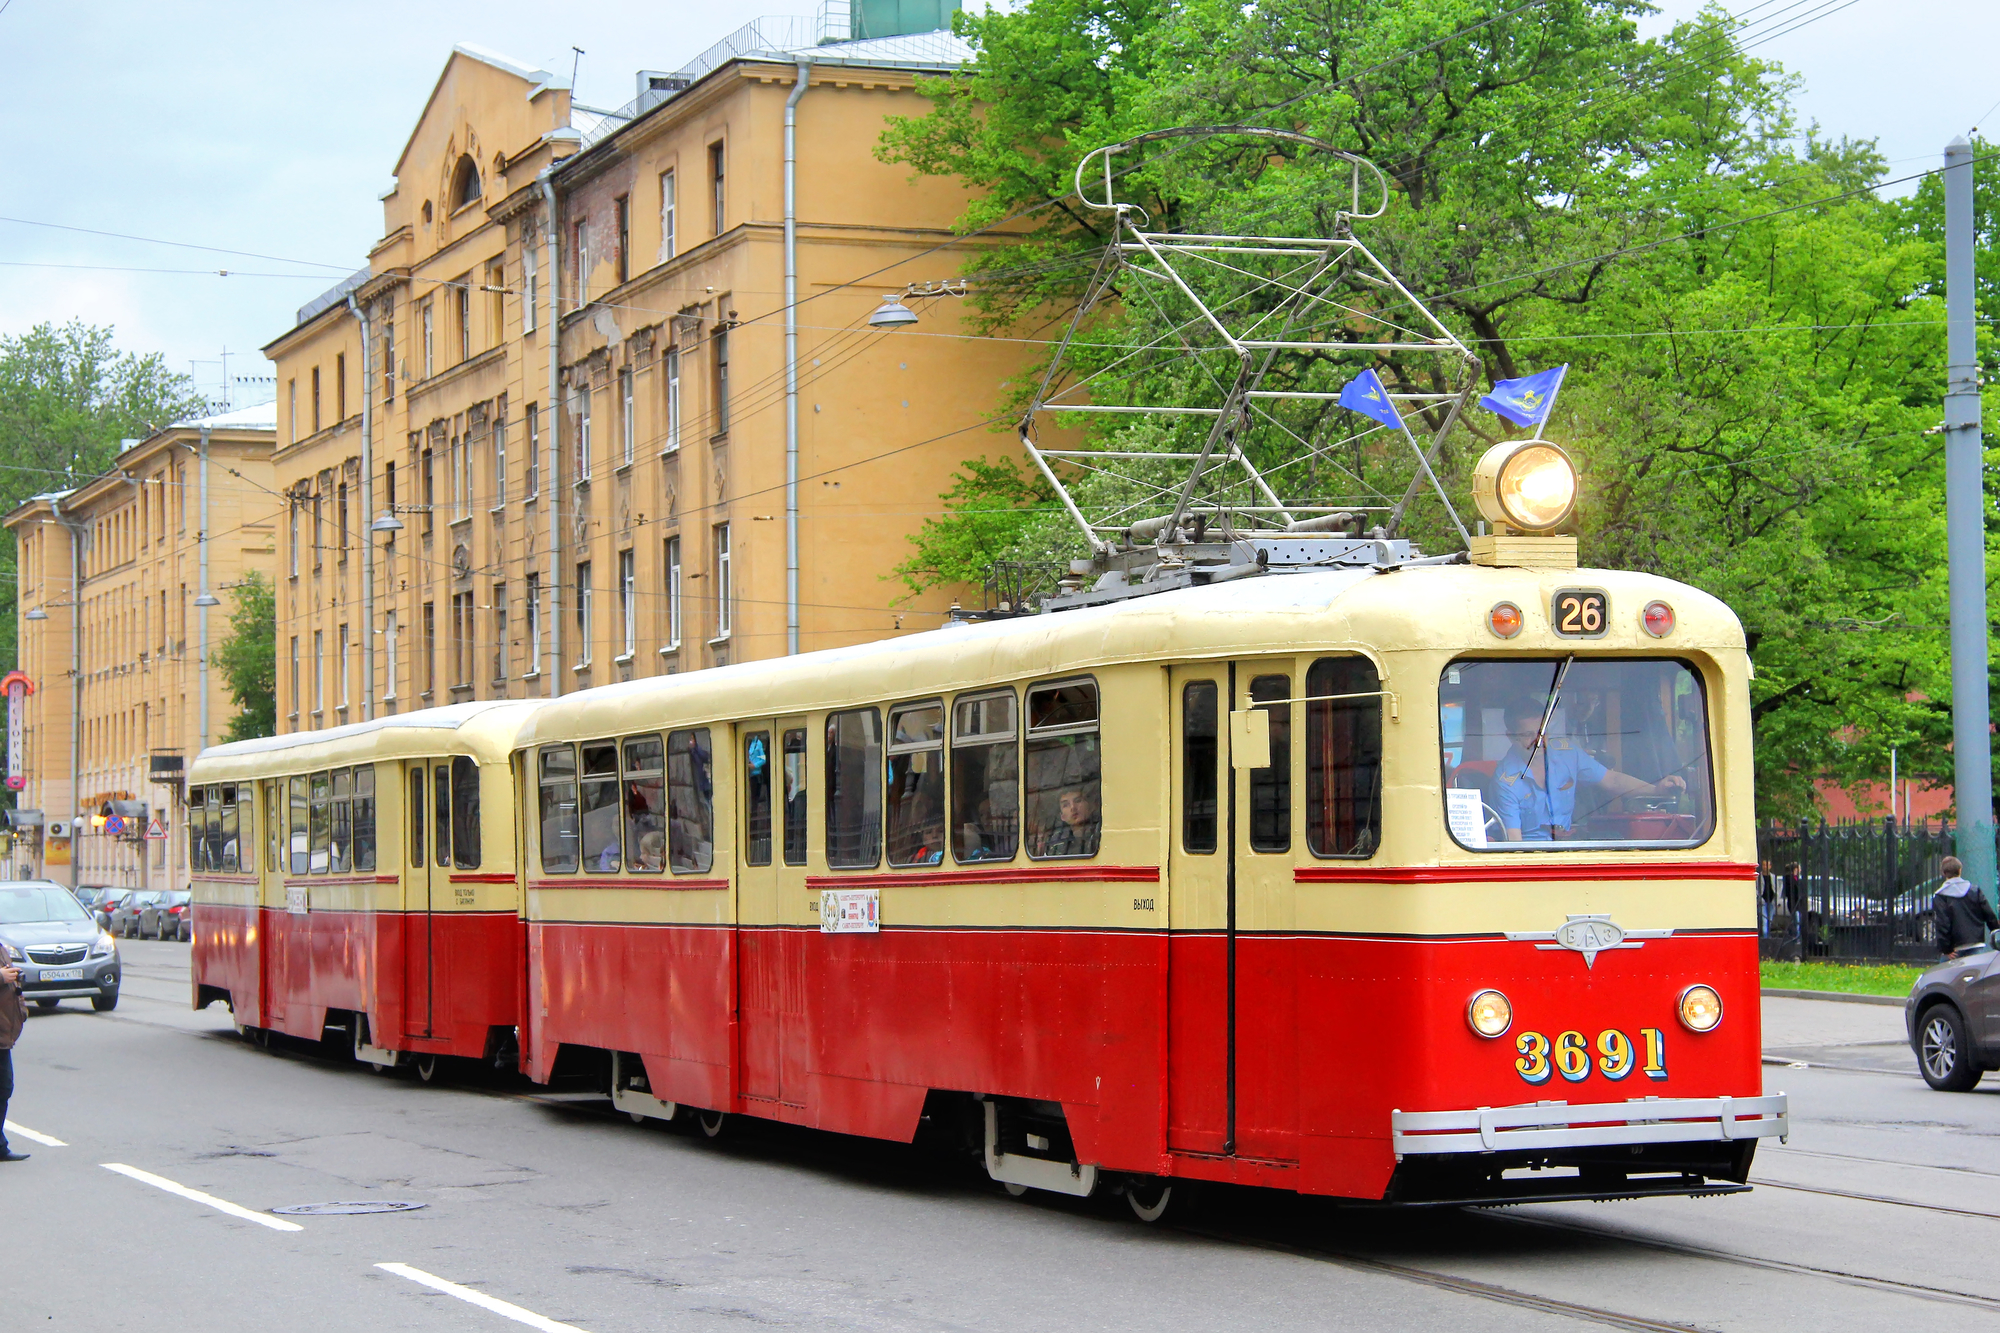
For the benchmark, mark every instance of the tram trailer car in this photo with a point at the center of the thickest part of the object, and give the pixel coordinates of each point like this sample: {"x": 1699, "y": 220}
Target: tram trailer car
{"x": 1425, "y": 884}
{"x": 361, "y": 882}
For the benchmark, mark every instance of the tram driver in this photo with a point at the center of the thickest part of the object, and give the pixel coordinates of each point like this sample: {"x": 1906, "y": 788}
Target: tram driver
{"x": 1537, "y": 802}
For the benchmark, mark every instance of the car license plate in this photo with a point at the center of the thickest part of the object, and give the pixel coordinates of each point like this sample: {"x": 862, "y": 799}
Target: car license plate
{"x": 62, "y": 974}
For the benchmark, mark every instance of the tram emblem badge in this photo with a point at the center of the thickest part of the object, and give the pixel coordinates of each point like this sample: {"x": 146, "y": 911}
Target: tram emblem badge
{"x": 1589, "y": 934}
{"x": 850, "y": 911}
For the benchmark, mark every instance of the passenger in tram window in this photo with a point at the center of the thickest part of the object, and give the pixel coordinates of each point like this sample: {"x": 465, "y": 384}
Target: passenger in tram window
{"x": 646, "y": 803}
{"x": 1077, "y": 831}
{"x": 915, "y": 799}
{"x": 1537, "y": 802}
{"x": 1063, "y": 784}
{"x": 690, "y": 803}
{"x": 601, "y": 809}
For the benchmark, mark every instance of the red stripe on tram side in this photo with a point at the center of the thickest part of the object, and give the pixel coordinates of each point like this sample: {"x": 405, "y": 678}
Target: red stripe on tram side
{"x": 670, "y": 884}
{"x": 1525, "y": 874}
{"x": 488, "y": 877}
{"x": 1002, "y": 875}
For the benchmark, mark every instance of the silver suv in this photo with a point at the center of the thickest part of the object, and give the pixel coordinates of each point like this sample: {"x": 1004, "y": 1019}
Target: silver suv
{"x": 62, "y": 952}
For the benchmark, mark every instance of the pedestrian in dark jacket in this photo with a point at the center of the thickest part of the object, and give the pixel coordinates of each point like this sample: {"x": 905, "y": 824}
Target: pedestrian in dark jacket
{"x": 1960, "y": 910}
{"x": 13, "y": 1017}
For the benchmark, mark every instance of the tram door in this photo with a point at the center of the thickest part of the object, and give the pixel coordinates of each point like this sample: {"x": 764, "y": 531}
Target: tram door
{"x": 270, "y": 903}
{"x": 1265, "y": 756}
{"x": 775, "y": 911}
{"x": 427, "y": 808}
{"x": 1198, "y": 912}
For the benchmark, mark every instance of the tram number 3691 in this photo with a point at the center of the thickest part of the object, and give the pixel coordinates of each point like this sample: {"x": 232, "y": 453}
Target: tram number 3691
{"x": 1572, "y": 1055}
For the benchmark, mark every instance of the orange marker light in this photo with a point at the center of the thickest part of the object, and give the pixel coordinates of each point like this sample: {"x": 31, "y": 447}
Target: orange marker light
{"x": 1505, "y": 619}
{"x": 1658, "y": 618}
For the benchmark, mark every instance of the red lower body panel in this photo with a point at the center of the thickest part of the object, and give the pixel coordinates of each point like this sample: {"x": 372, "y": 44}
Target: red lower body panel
{"x": 225, "y": 957}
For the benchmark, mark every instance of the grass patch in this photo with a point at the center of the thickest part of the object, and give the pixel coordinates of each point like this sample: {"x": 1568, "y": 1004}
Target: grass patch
{"x": 1847, "y": 978}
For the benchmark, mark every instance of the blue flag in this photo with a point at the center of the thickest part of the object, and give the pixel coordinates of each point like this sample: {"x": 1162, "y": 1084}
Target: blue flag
{"x": 1365, "y": 394}
{"x": 1526, "y": 401}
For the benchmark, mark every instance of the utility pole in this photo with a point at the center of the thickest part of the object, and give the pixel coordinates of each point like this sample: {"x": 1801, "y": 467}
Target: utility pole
{"x": 1965, "y": 527}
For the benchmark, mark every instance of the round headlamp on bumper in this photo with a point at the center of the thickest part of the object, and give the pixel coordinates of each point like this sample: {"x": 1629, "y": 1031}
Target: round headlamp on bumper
{"x": 1525, "y": 484}
{"x": 1489, "y": 1014}
{"x": 1700, "y": 1008}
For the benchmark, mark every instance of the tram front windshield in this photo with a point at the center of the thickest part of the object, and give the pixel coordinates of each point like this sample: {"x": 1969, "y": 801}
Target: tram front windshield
{"x": 1563, "y": 753}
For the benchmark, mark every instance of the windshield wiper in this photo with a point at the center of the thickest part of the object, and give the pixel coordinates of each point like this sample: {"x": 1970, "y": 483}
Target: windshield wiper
{"x": 1541, "y": 735}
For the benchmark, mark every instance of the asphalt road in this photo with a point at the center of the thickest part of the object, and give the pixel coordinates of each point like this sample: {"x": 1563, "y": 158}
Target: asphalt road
{"x": 1880, "y": 1212}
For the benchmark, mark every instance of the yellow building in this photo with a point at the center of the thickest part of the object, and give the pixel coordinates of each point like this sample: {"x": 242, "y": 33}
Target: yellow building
{"x": 543, "y": 440}
{"x": 116, "y": 634}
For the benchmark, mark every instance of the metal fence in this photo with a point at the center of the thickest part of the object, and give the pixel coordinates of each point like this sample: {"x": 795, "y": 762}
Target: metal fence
{"x": 1859, "y": 889}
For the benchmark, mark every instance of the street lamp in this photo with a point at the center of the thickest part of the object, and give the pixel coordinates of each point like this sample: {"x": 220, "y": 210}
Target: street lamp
{"x": 891, "y": 314}
{"x": 208, "y": 599}
{"x": 387, "y": 522}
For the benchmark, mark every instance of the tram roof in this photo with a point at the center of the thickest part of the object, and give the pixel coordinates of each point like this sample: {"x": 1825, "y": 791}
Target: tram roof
{"x": 482, "y": 728}
{"x": 1441, "y": 607}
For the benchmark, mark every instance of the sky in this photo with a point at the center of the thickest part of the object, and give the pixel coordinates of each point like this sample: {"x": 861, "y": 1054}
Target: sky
{"x": 272, "y": 129}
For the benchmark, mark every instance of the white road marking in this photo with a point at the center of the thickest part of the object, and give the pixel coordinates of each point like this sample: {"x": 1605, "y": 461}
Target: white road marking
{"x": 220, "y": 1205}
{"x": 480, "y": 1299}
{"x": 34, "y": 1137}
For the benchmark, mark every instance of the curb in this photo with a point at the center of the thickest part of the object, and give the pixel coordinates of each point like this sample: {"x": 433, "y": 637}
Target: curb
{"x": 1835, "y": 995}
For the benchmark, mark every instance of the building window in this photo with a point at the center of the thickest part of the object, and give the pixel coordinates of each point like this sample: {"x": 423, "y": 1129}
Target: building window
{"x": 721, "y": 381}
{"x": 580, "y": 248}
{"x": 389, "y": 637}
{"x": 389, "y": 359}
{"x": 464, "y": 304}
{"x": 319, "y": 532}
{"x": 461, "y": 638}
{"x": 531, "y": 481}
{"x": 315, "y": 399}
{"x": 628, "y": 612}
{"x": 430, "y": 362}
{"x": 673, "y": 567}
{"x": 340, "y": 386}
{"x": 673, "y": 400}
{"x": 340, "y": 520}
{"x": 499, "y": 631}
{"x": 496, "y": 302}
{"x": 532, "y": 606}
{"x": 389, "y": 491}
{"x": 292, "y": 538}
{"x": 583, "y": 609}
{"x": 581, "y": 463}
{"x": 531, "y": 281}
{"x": 344, "y": 681}
{"x": 319, "y": 671}
{"x": 723, "y": 591}
{"x": 291, "y": 421}
{"x": 428, "y": 648}
{"x": 500, "y": 451}
{"x": 626, "y": 424}
{"x": 622, "y": 210}
{"x": 428, "y": 480}
{"x": 295, "y": 678}
{"x": 667, "y": 248}
{"x": 715, "y": 182}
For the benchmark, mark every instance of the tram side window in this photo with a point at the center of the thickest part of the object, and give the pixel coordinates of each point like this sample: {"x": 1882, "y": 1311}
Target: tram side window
{"x": 1343, "y": 757}
{"x": 322, "y": 823}
{"x": 1200, "y": 738}
{"x": 364, "y": 817}
{"x": 441, "y": 814}
{"x": 227, "y": 821}
{"x": 599, "y": 808}
{"x": 197, "y": 822}
{"x": 246, "y": 815}
{"x": 274, "y": 828}
{"x": 342, "y": 859}
{"x": 645, "y": 804}
{"x": 1065, "y": 797}
{"x": 854, "y": 789}
{"x": 757, "y": 798}
{"x": 690, "y": 802}
{"x": 1271, "y": 786}
{"x": 464, "y": 813}
{"x": 558, "y": 809}
{"x": 916, "y": 785}
{"x": 418, "y": 796}
{"x": 301, "y": 854}
{"x": 795, "y": 797}
{"x": 985, "y": 779}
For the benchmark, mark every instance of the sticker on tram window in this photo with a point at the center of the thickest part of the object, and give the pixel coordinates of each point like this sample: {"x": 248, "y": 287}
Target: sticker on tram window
{"x": 1580, "y": 613}
{"x": 1573, "y": 1056}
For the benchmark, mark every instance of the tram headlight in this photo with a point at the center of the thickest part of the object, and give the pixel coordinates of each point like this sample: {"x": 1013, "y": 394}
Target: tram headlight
{"x": 1700, "y": 1008}
{"x": 1489, "y": 1013}
{"x": 1528, "y": 484}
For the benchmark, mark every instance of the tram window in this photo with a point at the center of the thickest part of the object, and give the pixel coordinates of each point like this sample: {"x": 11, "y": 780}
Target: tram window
{"x": 598, "y": 808}
{"x": 795, "y": 797}
{"x": 197, "y": 801}
{"x": 916, "y": 785}
{"x": 645, "y": 804}
{"x": 1622, "y": 762}
{"x": 274, "y": 828}
{"x": 1343, "y": 758}
{"x": 1065, "y": 798}
{"x": 322, "y": 822}
{"x": 464, "y": 813}
{"x": 1271, "y": 786}
{"x": 757, "y": 798}
{"x": 418, "y": 796}
{"x": 246, "y": 838}
{"x": 1200, "y": 730}
{"x": 364, "y": 817}
{"x": 342, "y": 859}
{"x": 854, "y": 788}
{"x": 228, "y": 822}
{"x": 441, "y": 815}
{"x": 690, "y": 802}
{"x": 558, "y": 810}
{"x": 985, "y": 779}
{"x": 301, "y": 854}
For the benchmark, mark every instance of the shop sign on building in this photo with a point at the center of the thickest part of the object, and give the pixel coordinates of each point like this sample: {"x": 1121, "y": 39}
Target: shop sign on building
{"x": 18, "y": 688}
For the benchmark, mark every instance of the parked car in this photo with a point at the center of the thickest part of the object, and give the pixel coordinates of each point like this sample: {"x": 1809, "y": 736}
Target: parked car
{"x": 167, "y": 917}
{"x": 62, "y": 952}
{"x": 105, "y": 906}
{"x": 125, "y": 916}
{"x": 90, "y": 895}
{"x": 1951, "y": 1017}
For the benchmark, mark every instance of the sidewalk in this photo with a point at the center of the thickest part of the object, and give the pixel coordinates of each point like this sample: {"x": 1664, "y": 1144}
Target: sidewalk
{"x": 1836, "y": 1034}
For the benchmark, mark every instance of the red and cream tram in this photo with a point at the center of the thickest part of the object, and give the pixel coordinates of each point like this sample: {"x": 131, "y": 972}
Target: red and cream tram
{"x": 1414, "y": 882}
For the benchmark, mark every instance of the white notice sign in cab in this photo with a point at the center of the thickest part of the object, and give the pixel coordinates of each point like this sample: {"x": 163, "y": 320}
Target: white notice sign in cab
{"x": 850, "y": 911}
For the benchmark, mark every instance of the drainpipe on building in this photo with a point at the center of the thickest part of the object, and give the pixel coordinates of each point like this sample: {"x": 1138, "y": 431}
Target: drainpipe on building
{"x": 201, "y": 667}
{"x": 367, "y": 506}
{"x": 75, "y": 678}
{"x": 551, "y": 479}
{"x": 792, "y": 358}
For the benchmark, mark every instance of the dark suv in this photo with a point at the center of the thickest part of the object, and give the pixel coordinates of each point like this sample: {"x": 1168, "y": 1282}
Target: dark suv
{"x": 62, "y": 952}
{"x": 1953, "y": 1017}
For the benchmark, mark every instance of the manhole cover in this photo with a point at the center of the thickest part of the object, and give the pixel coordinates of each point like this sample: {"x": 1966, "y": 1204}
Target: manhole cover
{"x": 354, "y": 1206}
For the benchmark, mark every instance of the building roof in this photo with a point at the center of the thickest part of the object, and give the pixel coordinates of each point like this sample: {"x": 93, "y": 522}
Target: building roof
{"x": 264, "y": 416}
{"x": 332, "y": 296}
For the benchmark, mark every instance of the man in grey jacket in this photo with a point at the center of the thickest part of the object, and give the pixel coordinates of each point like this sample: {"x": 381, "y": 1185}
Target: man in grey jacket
{"x": 1960, "y": 910}
{"x": 13, "y": 1017}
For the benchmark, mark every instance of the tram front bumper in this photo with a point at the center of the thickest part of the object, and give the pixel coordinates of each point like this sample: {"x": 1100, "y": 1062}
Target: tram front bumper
{"x": 1556, "y": 1150}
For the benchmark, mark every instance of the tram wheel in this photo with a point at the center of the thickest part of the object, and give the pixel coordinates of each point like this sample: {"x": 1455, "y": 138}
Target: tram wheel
{"x": 712, "y": 1122}
{"x": 1943, "y": 1054}
{"x": 1156, "y": 1198}
{"x": 427, "y": 1067}
{"x": 1014, "y": 1188}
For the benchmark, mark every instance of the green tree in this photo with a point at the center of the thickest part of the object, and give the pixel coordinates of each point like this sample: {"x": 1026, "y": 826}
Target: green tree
{"x": 248, "y": 658}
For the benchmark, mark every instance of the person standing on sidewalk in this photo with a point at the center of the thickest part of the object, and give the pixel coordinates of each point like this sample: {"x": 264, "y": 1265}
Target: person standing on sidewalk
{"x": 1960, "y": 910}
{"x": 13, "y": 1017}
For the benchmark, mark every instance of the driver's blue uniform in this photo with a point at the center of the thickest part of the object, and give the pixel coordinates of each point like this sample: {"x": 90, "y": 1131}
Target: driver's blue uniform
{"x": 1524, "y": 804}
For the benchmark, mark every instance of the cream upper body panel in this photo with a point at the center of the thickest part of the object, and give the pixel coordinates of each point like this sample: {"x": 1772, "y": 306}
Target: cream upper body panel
{"x": 485, "y": 730}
